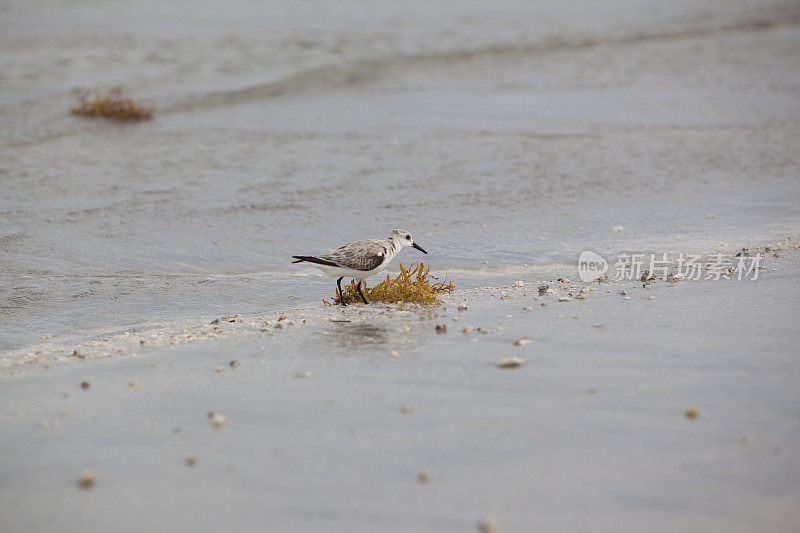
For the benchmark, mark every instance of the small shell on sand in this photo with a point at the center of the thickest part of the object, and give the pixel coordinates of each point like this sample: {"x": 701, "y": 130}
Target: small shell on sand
{"x": 234, "y": 364}
{"x": 86, "y": 479}
{"x": 441, "y": 329}
{"x": 217, "y": 420}
{"x": 487, "y": 524}
{"x": 564, "y": 299}
{"x": 407, "y": 409}
{"x": 543, "y": 304}
{"x": 692, "y": 412}
{"x": 85, "y": 385}
{"x": 519, "y": 283}
{"x": 580, "y": 296}
{"x": 423, "y": 477}
{"x": 306, "y": 374}
{"x": 523, "y": 341}
{"x": 527, "y": 309}
{"x": 462, "y": 307}
{"x": 394, "y": 353}
{"x": 190, "y": 461}
{"x": 467, "y": 330}
{"x": 510, "y": 362}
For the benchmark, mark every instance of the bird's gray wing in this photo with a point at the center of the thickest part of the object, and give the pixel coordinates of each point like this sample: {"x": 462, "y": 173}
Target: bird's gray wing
{"x": 359, "y": 255}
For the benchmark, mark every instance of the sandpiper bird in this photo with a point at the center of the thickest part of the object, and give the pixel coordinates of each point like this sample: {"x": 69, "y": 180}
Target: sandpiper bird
{"x": 360, "y": 259}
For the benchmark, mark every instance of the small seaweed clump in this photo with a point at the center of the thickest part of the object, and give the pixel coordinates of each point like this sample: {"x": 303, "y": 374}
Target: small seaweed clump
{"x": 415, "y": 285}
{"x": 114, "y": 105}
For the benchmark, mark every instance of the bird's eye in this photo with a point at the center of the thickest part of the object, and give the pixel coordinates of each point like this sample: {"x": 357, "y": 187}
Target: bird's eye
{"x": 408, "y": 237}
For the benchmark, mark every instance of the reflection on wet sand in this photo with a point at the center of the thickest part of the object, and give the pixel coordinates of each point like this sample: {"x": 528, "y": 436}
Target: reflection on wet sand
{"x": 353, "y": 337}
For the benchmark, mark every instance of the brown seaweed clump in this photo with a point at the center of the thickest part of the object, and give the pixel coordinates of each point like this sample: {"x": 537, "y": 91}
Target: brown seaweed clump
{"x": 114, "y": 105}
{"x": 414, "y": 284}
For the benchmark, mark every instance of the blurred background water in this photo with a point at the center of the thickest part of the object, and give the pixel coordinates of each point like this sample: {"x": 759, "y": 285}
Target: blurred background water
{"x": 499, "y": 134}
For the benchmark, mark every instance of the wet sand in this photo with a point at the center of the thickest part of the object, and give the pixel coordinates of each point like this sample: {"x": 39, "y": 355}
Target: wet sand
{"x": 330, "y": 425}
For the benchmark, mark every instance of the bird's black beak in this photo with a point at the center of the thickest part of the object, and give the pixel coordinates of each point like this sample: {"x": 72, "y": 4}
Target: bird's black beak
{"x": 418, "y": 247}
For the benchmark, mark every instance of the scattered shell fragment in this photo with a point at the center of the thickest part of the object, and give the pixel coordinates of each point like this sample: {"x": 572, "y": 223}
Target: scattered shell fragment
{"x": 487, "y": 524}
{"x": 441, "y": 329}
{"x": 591, "y": 391}
{"x": 692, "y": 412}
{"x": 580, "y": 296}
{"x": 404, "y": 328}
{"x": 407, "y": 409}
{"x": 523, "y": 341}
{"x": 394, "y": 353}
{"x": 462, "y": 307}
{"x": 217, "y": 420}
{"x": 467, "y": 330}
{"x": 623, "y": 292}
{"x": 131, "y": 384}
{"x": 747, "y": 440}
{"x": 564, "y": 299}
{"x": 190, "y": 461}
{"x": 598, "y": 326}
{"x": 510, "y": 362}
{"x": 306, "y": 374}
{"x": 651, "y": 297}
{"x": 423, "y": 477}
{"x": 234, "y": 364}
{"x": 527, "y": 309}
{"x": 543, "y": 289}
{"x": 519, "y": 283}
{"x": 617, "y": 228}
{"x": 543, "y": 304}
{"x": 86, "y": 479}
{"x": 85, "y": 385}
{"x": 219, "y": 370}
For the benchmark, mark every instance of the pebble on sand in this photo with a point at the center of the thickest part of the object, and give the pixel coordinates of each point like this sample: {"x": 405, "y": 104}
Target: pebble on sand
{"x": 441, "y": 329}
{"x": 407, "y": 409}
{"x": 86, "y": 479}
{"x": 190, "y": 461}
{"x": 85, "y": 385}
{"x": 234, "y": 364}
{"x": 303, "y": 375}
{"x": 523, "y": 341}
{"x": 423, "y": 477}
{"x": 510, "y": 362}
{"x": 692, "y": 412}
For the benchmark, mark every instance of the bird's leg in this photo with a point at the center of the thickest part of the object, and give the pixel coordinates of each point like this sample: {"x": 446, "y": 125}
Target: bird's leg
{"x": 358, "y": 288}
{"x": 341, "y": 294}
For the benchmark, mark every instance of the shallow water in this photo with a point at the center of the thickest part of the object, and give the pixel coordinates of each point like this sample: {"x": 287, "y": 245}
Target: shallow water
{"x": 498, "y": 137}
